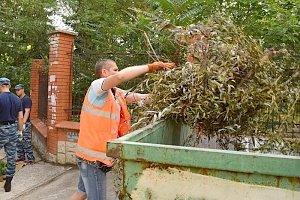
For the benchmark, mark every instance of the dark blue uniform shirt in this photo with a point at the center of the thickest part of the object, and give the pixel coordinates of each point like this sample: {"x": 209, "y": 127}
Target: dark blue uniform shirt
{"x": 10, "y": 106}
{"x": 26, "y": 103}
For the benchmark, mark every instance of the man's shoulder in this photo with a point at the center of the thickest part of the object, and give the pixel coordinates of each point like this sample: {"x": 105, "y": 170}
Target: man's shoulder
{"x": 97, "y": 81}
{"x": 8, "y": 94}
{"x": 11, "y": 96}
{"x": 26, "y": 102}
{"x": 26, "y": 97}
{"x": 96, "y": 87}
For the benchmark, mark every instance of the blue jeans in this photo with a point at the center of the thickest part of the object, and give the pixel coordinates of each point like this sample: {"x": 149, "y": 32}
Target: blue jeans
{"x": 92, "y": 181}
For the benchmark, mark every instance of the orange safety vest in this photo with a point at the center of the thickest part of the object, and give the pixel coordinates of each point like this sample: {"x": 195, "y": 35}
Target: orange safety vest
{"x": 98, "y": 124}
{"x": 125, "y": 125}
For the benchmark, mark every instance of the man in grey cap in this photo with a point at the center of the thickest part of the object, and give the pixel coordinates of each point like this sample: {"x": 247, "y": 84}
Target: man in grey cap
{"x": 11, "y": 124}
{"x": 24, "y": 145}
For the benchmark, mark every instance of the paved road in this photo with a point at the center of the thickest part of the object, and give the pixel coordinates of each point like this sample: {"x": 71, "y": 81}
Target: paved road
{"x": 60, "y": 188}
{"x": 45, "y": 181}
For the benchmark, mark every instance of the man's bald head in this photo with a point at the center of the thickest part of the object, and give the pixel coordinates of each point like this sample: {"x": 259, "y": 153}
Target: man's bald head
{"x": 103, "y": 64}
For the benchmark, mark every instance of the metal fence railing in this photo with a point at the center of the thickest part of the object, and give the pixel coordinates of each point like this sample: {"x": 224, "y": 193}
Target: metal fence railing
{"x": 43, "y": 96}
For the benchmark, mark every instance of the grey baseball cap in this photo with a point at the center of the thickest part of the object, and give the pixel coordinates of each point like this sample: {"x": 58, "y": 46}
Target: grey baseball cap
{"x": 19, "y": 86}
{"x": 4, "y": 81}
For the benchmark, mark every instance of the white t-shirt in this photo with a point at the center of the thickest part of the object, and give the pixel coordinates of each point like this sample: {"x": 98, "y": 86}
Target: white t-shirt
{"x": 97, "y": 96}
{"x": 97, "y": 86}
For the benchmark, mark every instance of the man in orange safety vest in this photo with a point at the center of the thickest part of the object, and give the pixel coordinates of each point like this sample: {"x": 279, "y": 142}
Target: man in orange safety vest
{"x": 104, "y": 116}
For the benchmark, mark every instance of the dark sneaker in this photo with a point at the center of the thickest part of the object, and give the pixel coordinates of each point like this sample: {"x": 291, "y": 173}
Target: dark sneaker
{"x": 20, "y": 160}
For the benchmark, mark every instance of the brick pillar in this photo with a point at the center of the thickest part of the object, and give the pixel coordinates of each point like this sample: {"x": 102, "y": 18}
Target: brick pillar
{"x": 59, "y": 83}
{"x": 36, "y": 66}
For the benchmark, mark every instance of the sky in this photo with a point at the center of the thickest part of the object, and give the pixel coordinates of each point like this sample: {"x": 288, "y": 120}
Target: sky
{"x": 57, "y": 18}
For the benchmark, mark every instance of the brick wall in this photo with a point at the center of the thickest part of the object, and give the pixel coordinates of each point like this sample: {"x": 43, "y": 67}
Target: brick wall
{"x": 55, "y": 139}
{"x": 39, "y": 129}
{"x": 36, "y": 67}
{"x": 59, "y": 85}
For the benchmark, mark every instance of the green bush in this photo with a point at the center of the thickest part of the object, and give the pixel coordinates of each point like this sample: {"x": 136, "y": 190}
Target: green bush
{"x": 2, "y": 167}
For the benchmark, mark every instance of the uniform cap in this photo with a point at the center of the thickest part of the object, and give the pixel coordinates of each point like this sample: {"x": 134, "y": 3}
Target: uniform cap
{"x": 4, "y": 81}
{"x": 19, "y": 86}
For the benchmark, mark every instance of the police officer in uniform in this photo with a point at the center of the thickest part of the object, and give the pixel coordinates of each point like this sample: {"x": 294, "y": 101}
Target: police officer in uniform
{"x": 11, "y": 124}
{"x": 24, "y": 145}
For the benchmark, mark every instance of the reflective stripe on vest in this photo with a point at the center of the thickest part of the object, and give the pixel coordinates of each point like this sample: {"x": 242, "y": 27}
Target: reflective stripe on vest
{"x": 94, "y": 134}
{"x": 101, "y": 113}
{"x": 95, "y": 154}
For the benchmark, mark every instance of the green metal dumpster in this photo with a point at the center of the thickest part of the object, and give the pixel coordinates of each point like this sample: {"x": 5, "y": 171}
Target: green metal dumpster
{"x": 156, "y": 165}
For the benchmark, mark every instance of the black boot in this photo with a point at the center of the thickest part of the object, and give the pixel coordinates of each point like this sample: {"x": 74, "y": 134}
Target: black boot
{"x": 7, "y": 185}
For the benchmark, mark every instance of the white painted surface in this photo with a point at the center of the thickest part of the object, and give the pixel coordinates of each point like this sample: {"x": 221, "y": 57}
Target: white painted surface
{"x": 173, "y": 184}
{"x": 52, "y": 88}
{"x": 52, "y": 78}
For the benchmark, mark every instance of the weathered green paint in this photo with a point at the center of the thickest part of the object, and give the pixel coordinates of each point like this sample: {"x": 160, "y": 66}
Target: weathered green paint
{"x": 211, "y": 159}
{"x": 158, "y": 146}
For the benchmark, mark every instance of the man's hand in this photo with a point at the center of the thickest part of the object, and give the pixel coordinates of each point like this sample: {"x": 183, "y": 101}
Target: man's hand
{"x": 158, "y": 66}
{"x": 20, "y": 135}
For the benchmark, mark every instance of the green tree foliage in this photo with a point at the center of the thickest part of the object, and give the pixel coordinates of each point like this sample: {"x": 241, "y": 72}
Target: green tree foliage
{"x": 122, "y": 30}
{"x": 251, "y": 16}
{"x": 229, "y": 90}
{"x": 275, "y": 23}
{"x": 105, "y": 31}
{"x": 23, "y": 36}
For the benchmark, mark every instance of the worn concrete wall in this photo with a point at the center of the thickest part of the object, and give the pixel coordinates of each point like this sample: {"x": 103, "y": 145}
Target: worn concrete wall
{"x": 40, "y": 143}
{"x": 67, "y": 134}
{"x": 66, "y": 152}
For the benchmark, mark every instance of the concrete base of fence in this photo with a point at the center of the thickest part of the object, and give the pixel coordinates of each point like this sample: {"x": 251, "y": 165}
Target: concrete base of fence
{"x": 64, "y": 146}
{"x": 39, "y": 137}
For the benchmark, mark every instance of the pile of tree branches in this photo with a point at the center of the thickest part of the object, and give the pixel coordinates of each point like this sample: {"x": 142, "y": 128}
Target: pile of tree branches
{"x": 225, "y": 86}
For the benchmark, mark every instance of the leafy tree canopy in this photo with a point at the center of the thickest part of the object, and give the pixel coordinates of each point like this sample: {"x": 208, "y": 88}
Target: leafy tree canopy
{"x": 23, "y": 36}
{"x": 275, "y": 23}
{"x": 105, "y": 30}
